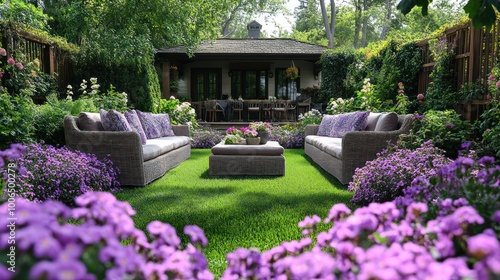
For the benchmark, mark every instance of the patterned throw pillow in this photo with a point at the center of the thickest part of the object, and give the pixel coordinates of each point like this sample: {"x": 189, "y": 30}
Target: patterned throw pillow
{"x": 349, "y": 122}
{"x": 135, "y": 124}
{"x": 155, "y": 125}
{"x": 113, "y": 120}
{"x": 327, "y": 124}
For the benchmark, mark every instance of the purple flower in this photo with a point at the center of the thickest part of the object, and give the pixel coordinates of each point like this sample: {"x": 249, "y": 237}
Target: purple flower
{"x": 482, "y": 246}
{"x": 59, "y": 270}
{"x": 337, "y": 213}
{"x": 164, "y": 233}
{"x": 196, "y": 234}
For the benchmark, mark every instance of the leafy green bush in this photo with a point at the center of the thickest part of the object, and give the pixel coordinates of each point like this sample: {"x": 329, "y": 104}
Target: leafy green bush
{"x": 336, "y": 67}
{"x": 445, "y": 128}
{"x": 16, "y": 118}
{"x": 441, "y": 95}
{"x": 312, "y": 117}
{"x": 489, "y": 125}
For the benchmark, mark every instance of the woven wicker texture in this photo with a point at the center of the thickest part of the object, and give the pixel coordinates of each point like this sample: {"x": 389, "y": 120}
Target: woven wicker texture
{"x": 358, "y": 147}
{"x": 125, "y": 151}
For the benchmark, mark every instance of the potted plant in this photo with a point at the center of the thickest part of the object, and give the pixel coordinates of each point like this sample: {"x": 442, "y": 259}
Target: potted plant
{"x": 292, "y": 72}
{"x": 233, "y": 136}
{"x": 263, "y": 129}
{"x": 250, "y": 135}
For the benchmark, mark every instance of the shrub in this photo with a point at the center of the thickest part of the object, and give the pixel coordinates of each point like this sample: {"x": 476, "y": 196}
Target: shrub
{"x": 462, "y": 182}
{"x": 206, "y": 137}
{"x": 180, "y": 113}
{"x": 97, "y": 240}
{"x": 60, "y": 174}
{"x": 386, "y": 177}
{"x": 340, "y": 105}
{"x": 312, "y": 117}
{"x": 445, "y": 128}
{"x": 16, "y": 118}
{"x": 287, "y": 137}
{"x": 111, "y": 99}
{"x": 490, "y": 144}
{"x": 49, "y": 123}
{"x": 377, "y": 242}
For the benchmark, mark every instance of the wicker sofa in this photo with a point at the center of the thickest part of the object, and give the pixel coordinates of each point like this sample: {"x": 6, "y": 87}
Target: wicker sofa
{"x": 341, "y": 156}
{"x": 138, "y": 164}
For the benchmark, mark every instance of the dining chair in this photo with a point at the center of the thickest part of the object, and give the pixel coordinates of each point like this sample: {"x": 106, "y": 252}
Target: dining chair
{"x": 253, "y": 106}
{"x": 211, "y": 110}
{"x": 280, "y": 109}
{"x": 236, "y": 106}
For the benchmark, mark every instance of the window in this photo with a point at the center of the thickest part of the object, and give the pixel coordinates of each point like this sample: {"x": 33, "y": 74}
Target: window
{"x": 206, "y": 84}
{"x": 286, "y": 88}
{"x": 249, "y": 84}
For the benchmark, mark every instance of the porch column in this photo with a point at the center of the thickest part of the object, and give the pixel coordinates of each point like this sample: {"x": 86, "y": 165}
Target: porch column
{"x": 165, "y": 77}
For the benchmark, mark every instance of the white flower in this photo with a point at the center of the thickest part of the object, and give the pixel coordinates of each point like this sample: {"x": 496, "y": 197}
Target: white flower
{"x": 172, "y": 97}
{"x": 93, "y": 92}
{"x": 69, "y": 87}
{"x": 69, "y": 98}
{"x": 95, "y": 86}
{"x": 93, "y": 80}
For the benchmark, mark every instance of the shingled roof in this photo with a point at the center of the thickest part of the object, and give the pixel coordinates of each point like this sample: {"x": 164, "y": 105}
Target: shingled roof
{"x": 262, "y": 46}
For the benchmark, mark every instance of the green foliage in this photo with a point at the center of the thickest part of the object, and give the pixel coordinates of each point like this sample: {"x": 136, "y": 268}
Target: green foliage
{"x": 490, "y": 128}
{"x": 22, "y": 12}
{"x": 480, "y": 12}
{"x": 312, "y": 117}
{"x": 445, "y": 128}
{"x": 48, "y": 122}
{"x": 168, "y": 105}
{"x": 16, "y": 118}
{"x": 441, "y": 94}
{"x": 340, "y": 105}
{"x": 471, "y": 91}
{"x": 336, "y": 66}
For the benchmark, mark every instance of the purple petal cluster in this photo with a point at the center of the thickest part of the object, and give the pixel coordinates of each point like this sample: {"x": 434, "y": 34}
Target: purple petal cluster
{"x": 205, "y": 137}
{"x": 54, "y": 241}
{"x": 288, "y": 137}
{"x": 386, "y": 177}
{"x": 60, "y": 174}
{"x": 378, "y": 241}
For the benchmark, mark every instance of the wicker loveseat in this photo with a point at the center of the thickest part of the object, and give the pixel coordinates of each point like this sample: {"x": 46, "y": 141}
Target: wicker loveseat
{"x": 138, "y": 164}
{"x": 341, "y": 156}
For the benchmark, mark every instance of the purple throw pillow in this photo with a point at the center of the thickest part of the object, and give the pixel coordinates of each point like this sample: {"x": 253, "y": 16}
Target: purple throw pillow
{"x": 327, "y": 124}
{"x": 155, "y": 125}
{"x": 113, "y": 120}
{"x": 349, "y": 122}
{"x": 135, "y": 124}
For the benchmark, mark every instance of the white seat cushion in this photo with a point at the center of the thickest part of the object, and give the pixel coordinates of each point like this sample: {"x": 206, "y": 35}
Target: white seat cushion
{"x": 159, "y": 146}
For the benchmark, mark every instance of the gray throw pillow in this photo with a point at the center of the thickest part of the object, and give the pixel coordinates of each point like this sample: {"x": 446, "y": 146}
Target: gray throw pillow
{"x": 90, "y": 122}
{"x": 372, "y": 121}
{"x": 387, "y": 122}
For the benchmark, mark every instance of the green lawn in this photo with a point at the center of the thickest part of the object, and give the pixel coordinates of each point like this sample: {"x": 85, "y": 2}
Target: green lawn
{"x": 234, "y": 212}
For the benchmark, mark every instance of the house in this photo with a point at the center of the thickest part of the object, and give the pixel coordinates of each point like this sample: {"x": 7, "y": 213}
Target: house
{"x": 250, "y": 68}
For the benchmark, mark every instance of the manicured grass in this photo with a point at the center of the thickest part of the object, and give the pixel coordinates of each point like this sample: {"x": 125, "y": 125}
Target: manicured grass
{"x": 249, "y": 211}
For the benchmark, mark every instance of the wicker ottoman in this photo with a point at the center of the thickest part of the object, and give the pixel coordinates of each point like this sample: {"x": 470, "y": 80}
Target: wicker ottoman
{"x": 257, "y": 160}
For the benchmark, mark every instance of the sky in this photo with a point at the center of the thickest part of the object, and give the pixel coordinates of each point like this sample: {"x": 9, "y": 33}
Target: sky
{"x": 272, "y": 23}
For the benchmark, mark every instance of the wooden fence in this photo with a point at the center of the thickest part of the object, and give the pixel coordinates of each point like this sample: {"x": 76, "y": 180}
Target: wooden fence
{"x": 53, "y": 60}
{"x": 476, "y": 54}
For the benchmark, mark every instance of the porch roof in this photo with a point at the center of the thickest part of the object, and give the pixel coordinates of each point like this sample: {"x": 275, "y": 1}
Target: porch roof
{"x": 262, "y": 47}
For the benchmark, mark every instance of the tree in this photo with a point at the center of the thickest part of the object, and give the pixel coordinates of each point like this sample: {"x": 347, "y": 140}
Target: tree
{"x": 329, "y": 22}
{"x": 240, "y": 12}
{"x": 480, "y": 12}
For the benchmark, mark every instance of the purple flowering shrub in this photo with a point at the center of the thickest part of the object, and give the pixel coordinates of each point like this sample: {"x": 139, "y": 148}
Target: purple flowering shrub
{"x": 386, "y": 177}
{"x": 378, "y": 241}
{"x": 206, "y": 137}
{"x": 462, "y": 182}
{"x": 288, "y": 136}
{"x": 61, "y": 174}
{"x": 95, "y": 240}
